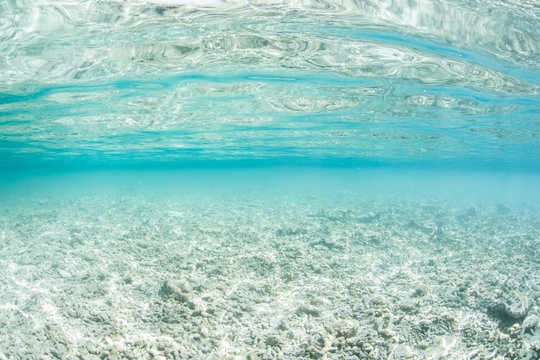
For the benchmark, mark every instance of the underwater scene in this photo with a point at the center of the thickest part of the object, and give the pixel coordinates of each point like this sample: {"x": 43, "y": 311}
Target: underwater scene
{"x": 269, "y": 179}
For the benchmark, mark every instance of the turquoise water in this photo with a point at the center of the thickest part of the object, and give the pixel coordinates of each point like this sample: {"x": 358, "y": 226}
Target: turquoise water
{"x": 308, "y": 81}
{"x": 215, "y": 179}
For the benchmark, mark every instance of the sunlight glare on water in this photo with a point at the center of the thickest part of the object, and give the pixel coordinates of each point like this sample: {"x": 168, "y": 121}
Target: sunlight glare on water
{"x": 172, "y": 81}
{"x": 267, "y": 179}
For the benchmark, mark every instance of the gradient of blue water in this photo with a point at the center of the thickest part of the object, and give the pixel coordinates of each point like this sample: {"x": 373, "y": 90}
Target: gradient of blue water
{"x": 519, "y": 151}
{"x": 257, "y": 84}
{"x": 121, "y": 117}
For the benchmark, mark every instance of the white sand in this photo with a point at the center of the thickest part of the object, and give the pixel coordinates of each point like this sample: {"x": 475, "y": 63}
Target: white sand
{"x": 254, "y": 275}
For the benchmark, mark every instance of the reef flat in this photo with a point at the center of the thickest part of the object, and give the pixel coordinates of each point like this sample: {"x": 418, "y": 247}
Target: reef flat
{"x": 263, "y": 274}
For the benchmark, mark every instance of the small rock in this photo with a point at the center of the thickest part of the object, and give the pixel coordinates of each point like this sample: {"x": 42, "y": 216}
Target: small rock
{"x": 510, "y": 312}
{"x": 407, "y": 306}
{"x": 72, "y": 313}
{"x": 424, "y": 324}
{"x": 420, "y": 290}
{"x": 64, "y": 274}
{"x": 387, "y": 333}
{"x": 343, "y": 328}
{"x": 176, "y": 289}
{"x": 308, "y": 310}
{"x": 377, "y": 300}
{"x": 368, "y": 348}
{"x": 273, "y": 340}
{"x": 514, "y": 329}
{"x": 92, "y": 348}
{"x": 530, "y": 325}
{"x": 253, "y": 356}
{"x": 401, "y": 351}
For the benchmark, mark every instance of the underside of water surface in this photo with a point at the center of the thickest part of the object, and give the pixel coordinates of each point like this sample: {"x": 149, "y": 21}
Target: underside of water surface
{"x": 306, "y": 81}
{"x": 237, "y": 179}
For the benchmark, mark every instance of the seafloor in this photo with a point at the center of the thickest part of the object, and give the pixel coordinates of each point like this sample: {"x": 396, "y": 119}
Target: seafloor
{"x": 257, "y": 273}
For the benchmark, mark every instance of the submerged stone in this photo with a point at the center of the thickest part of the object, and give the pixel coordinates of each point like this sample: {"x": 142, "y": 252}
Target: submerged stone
{"x": 176, "y": 289}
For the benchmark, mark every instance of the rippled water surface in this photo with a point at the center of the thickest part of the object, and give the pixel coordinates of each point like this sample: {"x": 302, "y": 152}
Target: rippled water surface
{"x": 162, "y": 81}
{"x": 236, "y": 179}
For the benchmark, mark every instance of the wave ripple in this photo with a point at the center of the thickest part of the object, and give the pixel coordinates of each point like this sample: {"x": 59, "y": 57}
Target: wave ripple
{"x": 171, "y": 80}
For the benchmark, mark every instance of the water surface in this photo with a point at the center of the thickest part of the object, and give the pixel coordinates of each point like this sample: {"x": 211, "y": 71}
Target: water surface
{"x": 239, "y": 179}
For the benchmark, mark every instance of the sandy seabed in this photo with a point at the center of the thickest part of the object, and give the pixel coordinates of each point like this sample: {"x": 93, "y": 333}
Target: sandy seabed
{"x": 253, "y": 275}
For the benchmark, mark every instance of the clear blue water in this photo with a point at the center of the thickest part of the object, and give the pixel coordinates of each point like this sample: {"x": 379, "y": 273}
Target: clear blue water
{"x": 450, "y": 82}
{"x": 237, "y": 179}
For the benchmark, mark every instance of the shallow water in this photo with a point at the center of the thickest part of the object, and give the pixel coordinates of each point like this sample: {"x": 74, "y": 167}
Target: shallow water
{"x": 268, "y": 263}
{"x": 269, "y": 179}
{"x": 302, "y": 81}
